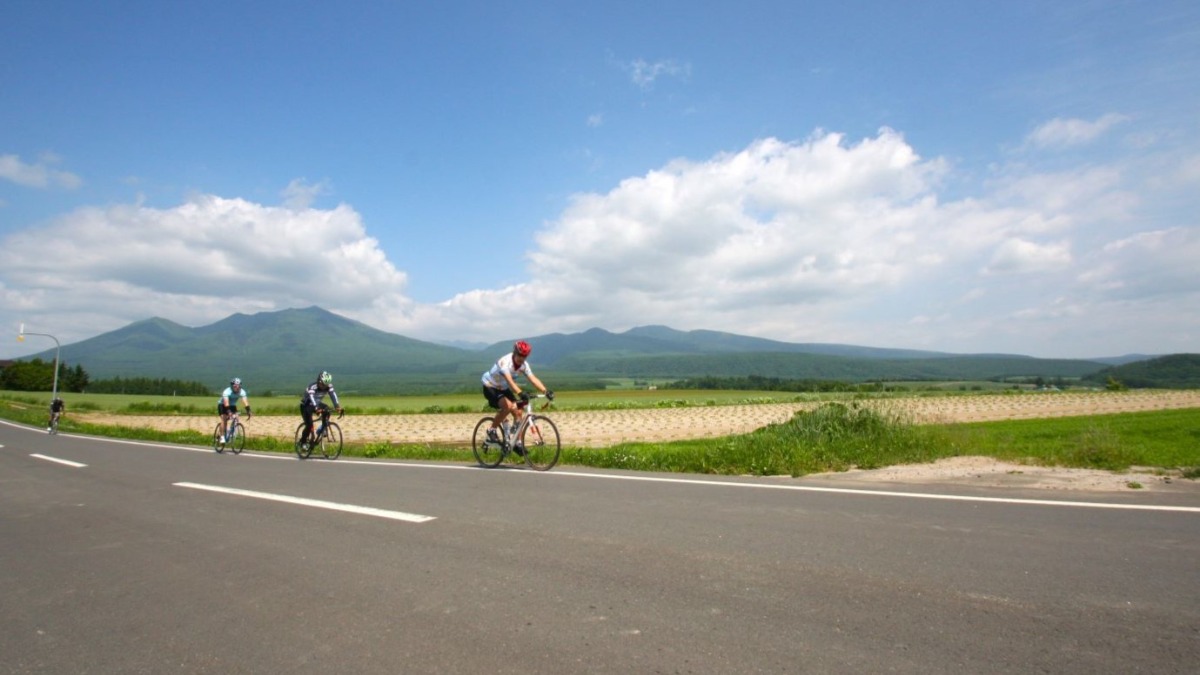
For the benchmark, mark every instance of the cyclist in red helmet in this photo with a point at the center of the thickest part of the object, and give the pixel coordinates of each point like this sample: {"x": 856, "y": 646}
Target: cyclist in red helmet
{"x": 501, "y": 390}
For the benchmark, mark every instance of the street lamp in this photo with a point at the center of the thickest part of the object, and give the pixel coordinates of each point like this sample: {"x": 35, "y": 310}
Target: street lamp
{"x": 57, "y": 348}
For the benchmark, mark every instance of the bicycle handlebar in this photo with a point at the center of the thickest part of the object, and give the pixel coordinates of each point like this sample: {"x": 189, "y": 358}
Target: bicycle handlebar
{"x": 525, "y": 399}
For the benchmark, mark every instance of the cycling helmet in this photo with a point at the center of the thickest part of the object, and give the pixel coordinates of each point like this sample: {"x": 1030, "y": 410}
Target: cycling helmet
{"x": 521, "y": 348}
{"x": 325, "y": 378}
{"x": 236, "y": 380}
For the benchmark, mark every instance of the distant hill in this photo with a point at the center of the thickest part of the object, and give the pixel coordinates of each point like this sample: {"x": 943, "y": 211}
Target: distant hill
{"x": 283, "y": 351}
{"x": 553, "y": 348}
{"x": 279, "y": 351}
{"x": 1174, "y": 371}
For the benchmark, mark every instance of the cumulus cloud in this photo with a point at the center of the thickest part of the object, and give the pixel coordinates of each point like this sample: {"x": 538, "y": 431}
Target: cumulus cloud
{"x": 196, "y": 262}
{"x": 750, "y": 240}
{"x": 1061, "y": 133}
{"x": 823, "y": 239}
{"x": 38, "y": 175}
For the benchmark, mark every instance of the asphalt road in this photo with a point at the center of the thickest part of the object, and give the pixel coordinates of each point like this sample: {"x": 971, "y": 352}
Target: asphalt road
{"x": 139, "y": 558}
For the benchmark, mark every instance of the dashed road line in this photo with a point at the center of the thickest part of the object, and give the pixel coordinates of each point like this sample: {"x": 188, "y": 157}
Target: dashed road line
{"x": 77, "y": 465}
{"x": 316, "y": 503}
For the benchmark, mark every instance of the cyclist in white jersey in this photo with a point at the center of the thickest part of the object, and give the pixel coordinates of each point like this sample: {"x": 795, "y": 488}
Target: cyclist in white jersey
{"x": 501, "y": 390}
{"x": 228, "y": 402}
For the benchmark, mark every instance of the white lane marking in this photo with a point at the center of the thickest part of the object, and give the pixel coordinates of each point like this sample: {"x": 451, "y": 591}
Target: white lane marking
{"x": 60, "y": 461}
{"x": 333, "y": 506}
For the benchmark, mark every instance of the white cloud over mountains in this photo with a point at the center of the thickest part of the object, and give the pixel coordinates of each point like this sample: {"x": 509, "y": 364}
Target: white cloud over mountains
{"x": 824, "y": 239}
{"x": 37, "y": 175}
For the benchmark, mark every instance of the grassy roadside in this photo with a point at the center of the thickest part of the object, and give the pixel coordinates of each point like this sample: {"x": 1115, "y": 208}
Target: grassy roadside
{"x": 834, "y": 437}
{"x": 837, "y": 437}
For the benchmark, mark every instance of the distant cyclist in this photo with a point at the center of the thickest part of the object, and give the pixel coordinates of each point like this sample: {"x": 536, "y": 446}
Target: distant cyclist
{"x": 228, "y": 403}
{"x": 501, "y": 390}
{"x": 57, "y": 408}
{"x": 313, "y": 401}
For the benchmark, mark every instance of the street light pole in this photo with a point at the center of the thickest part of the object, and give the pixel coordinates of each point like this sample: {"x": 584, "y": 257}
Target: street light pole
{"x": 57, "y": 350}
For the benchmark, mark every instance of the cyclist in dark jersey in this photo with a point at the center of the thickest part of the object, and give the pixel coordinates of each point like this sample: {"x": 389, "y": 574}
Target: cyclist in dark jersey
{"x": 313, "y": 401}
{"x": 57, "y": 408}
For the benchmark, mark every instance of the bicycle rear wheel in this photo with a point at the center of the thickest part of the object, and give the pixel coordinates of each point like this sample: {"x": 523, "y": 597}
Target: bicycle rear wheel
{"x": 331, "y": 441}
{"x": 487, "y": 453}
{"x": 238, "y": 442}
{"x": 302, "y": 451}
{"x": 542, "y": 444}
{"x": 217, "y": 438}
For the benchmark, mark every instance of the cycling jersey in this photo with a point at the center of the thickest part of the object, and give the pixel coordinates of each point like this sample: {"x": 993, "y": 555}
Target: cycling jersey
{"x": 233, "y": 398}
{"x": 314, "y": 395}
{"x": 494, "y": 378}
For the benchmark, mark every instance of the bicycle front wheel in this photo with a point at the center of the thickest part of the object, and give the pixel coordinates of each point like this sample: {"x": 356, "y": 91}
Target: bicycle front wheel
{"x": 302, "y": 451}
{"x": 488, "y": 453}
{"x": 331, "y": 442}
{"x": 218, "y": 437}
{"x": 542, "y": 445}
{"x": 238, "y": 442}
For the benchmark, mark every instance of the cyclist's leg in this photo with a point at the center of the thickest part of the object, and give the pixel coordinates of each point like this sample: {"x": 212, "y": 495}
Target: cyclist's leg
{"x": 306, "y": 413}
{"x": 507, "y": 406}
{"x": 497, "y": 399}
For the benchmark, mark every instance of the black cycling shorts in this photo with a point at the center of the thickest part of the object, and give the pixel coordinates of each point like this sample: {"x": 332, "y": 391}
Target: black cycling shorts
{"x": 493, "y": 396}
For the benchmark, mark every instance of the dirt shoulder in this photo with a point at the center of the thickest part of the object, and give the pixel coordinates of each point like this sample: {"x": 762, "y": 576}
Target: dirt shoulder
{"x": 988, "y": 472}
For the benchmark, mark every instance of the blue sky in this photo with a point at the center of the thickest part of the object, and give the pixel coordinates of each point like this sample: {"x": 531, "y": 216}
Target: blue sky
{"x": 1013, "y": 177}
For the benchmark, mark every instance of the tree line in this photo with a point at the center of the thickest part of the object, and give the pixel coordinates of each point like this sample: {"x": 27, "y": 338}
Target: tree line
{"x": 38, "y": 375}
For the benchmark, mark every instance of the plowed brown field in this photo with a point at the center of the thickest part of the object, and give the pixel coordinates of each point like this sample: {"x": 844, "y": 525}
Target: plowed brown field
{"x": 602, "y": 428}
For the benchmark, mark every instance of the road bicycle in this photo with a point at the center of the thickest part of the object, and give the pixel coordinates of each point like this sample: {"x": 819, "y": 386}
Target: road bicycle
{"x": 327, "y": 437}
{"x": 534, "y": 439}
{"x": 233, "y": 438}
{"x": 52, "y": 427}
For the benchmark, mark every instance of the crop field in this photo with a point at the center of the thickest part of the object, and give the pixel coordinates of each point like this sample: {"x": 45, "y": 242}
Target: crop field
{"x": 597, "y": 419}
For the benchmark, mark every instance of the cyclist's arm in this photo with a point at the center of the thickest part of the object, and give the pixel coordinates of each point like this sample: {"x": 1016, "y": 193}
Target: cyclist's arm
{"x": 537, "y": 383}
{"x": 511, "y": 382}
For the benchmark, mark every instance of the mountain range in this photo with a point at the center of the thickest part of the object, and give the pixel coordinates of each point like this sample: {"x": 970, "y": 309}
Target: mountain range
{"x": 284, "y": 350}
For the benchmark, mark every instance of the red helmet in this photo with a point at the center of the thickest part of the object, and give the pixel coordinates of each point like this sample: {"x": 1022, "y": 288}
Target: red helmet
{"x": 521, "y": 348}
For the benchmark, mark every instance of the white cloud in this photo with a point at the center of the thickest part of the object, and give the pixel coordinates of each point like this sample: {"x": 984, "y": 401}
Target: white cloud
{"x": 39, "y": 175}
{"x": 300, "y": 194}
{"x": 1018, "y": 256}
{"x": 817, "y": 240}
{"x": 644, "y": 74}
{"x": 1061, "y": 133}
{"x": 194, "y": 263}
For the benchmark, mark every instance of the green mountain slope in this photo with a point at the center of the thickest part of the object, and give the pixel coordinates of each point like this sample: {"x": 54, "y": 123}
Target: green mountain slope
{"x": 283, "y": 351}
{"x": 1174, "y": 371}
{"x": 553, "y": 348}
{"x": 279, "y": 351}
